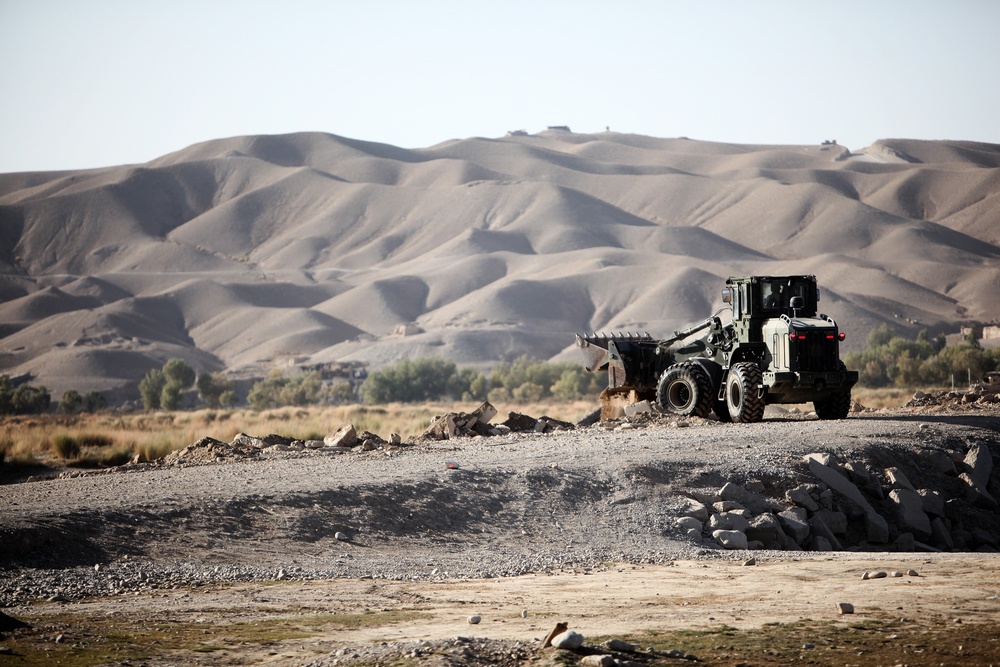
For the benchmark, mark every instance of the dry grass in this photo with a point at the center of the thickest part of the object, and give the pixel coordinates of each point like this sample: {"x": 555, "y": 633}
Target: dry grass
{"x": 889, "y": 397}
{"x": 111, "y": 439}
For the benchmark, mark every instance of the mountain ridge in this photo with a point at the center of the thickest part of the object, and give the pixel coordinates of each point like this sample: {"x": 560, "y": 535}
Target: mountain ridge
{"x": 243, "y": 253}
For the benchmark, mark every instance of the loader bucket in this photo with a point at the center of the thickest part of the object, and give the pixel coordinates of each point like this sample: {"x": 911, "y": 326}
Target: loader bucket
{"x": 595, "y": 356}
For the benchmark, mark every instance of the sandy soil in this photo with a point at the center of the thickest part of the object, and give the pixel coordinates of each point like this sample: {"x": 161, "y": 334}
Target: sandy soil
{"x": 618, "y": 601}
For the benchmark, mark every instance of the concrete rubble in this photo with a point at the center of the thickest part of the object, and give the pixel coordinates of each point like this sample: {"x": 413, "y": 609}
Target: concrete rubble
{"x": 937, "y": 500}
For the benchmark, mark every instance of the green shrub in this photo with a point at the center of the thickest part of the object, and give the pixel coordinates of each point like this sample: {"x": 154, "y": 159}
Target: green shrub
{"x": 116, "y": 456}
{"x": 98, "y": 440}
{"x": 66, "y": 446}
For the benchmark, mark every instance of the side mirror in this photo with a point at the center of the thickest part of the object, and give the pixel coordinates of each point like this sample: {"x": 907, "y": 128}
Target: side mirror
{"x": 797, "y": 302}
{"x": 727, "y": 295}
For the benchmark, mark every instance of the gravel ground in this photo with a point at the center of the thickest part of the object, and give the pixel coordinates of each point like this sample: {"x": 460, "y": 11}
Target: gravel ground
{"x": 470, "y": 507}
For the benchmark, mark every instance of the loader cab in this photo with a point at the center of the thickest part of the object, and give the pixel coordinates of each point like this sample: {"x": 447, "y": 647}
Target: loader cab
{"x": 764, "y": 297}
{"x": 794, "y": 296}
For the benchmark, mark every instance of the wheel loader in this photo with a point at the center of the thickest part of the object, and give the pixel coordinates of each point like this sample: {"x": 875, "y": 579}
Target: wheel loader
{"x": 775, "y": 349}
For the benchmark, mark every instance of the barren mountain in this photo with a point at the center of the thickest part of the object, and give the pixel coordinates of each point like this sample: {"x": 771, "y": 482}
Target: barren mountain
{"x": 246, "y": 252}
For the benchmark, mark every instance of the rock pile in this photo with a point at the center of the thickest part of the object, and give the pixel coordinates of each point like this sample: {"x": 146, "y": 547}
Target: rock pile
{"x": 951, "y": 507}
{"x": 978, "y": 397}
{"x": 347, "y": 439}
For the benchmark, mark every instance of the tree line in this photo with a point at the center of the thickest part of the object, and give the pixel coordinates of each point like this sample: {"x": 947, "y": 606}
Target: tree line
{"x": 892, "y": 360}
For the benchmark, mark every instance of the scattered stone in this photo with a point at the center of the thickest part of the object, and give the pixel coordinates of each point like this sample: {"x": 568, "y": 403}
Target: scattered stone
{"x": 730, "y": 539}
{"x": 727, "y": 521}
{"x": 912, "y": 573}
{"x": 754, "y": 502}
{"x": 910, "y": 513}
{"x": 766, "y": 528}
{"x": 976, "y": 493}
{"x": 598, "y": 660}
{"x": 795, "y": 523}
{"x": 751, "y": 561}
{"x": 932, "y": 502}
{"x": 475, "y": 619}
{"x": 642, "y": 407}
{"x": 845, "y": 608}
{"x": 569, "y": 640}
{"x": 8, "y": 623}
{"x": 979, "y": 463}
{"x": 898, "y": 479}
{"x": 876, "y": 575}
{"x": 689, "y": 523}
{"x": 821, "y": 533}
{"x": 345, "y": 436}
{"x": 560, "y": 628}
{"x": 242, "y": 440}
{"x": 800, "y": 496}
{"x": 695, "y": 509}
{"x": 896, "y": 573}
{"x": 341, "y": 536}
{"x": 621, "y": 645}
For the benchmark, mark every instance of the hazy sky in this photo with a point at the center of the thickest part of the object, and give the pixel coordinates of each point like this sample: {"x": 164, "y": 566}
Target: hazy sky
{"x": 89, "y": 83}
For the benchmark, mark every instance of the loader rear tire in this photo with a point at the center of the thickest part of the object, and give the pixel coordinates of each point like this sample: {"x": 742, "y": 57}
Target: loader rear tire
{"x": 743, "y": 398}
{"x": 834, "y": 406}
{"x": 685, "y": 390}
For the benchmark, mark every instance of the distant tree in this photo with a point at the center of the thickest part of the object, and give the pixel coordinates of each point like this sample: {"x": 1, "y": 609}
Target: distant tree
{"x": 342, "y": 393}
{"x": 409, "y": 381}
{"x": 972, "y": 338}
{"x": 151, "y": 387}
{"x": 277, "y": 390}
{"x": 171, "y": 396}
{"x": 29, "y": 400}
{"x": 228, "y": 399}
{"x": 71, "y": 403}
{"x": 211, "y": 387}
{"x": 177, "y": 371}
{"x": 94, "y": 401}
{"x": 6, "y": 395}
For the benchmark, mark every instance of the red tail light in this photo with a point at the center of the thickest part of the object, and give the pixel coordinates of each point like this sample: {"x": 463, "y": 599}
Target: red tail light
{"x": 841, "y": 335}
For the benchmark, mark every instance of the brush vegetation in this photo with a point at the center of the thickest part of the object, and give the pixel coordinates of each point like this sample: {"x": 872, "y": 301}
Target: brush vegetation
{"x": 106, "y": 439}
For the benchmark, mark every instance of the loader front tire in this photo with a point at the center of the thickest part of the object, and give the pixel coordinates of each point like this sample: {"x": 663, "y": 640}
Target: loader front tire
{"x": 743, "y": 399}
{"x": 685, "y": 390}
